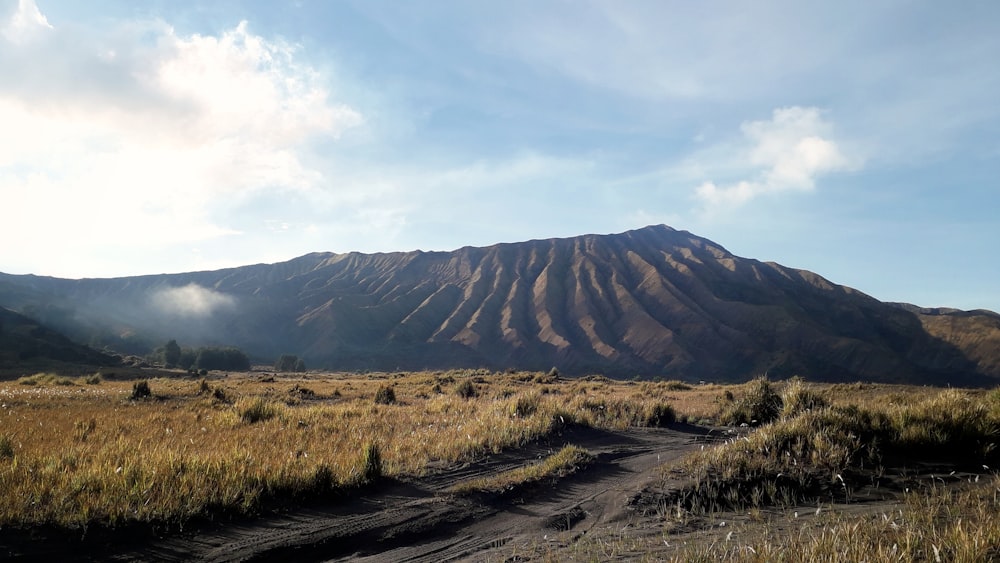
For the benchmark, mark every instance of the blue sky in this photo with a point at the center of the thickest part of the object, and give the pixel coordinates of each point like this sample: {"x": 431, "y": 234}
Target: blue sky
{"x": 859, "y": 140}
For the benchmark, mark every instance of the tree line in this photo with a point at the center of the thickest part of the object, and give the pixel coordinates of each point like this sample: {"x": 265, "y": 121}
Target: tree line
{"x": 228, "y": 358}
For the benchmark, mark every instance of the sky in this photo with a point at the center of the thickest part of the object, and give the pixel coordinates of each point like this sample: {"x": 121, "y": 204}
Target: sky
{"x": 858, "y": 139}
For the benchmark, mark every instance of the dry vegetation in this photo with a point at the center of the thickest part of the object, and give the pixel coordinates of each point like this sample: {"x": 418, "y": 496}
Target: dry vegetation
{"x": 786, "y": 490}
{"x": 567, "y": 460}
{"x": 74, "y": 454}
{"x": 90, "y": 450}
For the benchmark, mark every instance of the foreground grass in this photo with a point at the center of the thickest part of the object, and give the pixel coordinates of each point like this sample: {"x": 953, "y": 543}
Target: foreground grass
{"x": 936, "y": 524}
{"x": 815, "y": 446}
{"x": 819, "y": 454}
{"x": 74, "y": 455}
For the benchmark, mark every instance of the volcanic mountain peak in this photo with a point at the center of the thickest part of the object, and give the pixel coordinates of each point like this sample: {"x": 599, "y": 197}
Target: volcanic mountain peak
{"x": 654, "y": 301}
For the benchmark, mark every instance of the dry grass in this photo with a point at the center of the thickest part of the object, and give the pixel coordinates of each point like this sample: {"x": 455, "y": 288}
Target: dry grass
{"x": 74, "y": 455}
{"x": 815, "y": 454}
{"x": 939, "y": 524}
{"x": 823, "y": 439}
{"x": 560, "y": 464}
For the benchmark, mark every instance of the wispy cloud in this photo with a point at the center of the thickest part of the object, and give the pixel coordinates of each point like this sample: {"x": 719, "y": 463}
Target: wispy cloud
{"x": 786, "y": 153}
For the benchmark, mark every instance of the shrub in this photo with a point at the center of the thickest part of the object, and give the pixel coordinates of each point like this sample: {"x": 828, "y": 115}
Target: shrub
{"x": 140, "y": 390}
{"x": 759, "y": 404}
{"x": 467, "y": 390}
{"x": 661, "y": 415}
{"x": 94, "y": 379}
{"x": 204, "y": 388}
{"x": 674, "y": 385}
{"x": 385, "y": 395}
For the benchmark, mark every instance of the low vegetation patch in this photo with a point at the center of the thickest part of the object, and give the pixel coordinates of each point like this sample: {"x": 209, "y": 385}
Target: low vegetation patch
{"x": 558, "y": 465}
{"x": 937, "y": 524}
{"x": 819, "y": 454}
{"x": 258, "y": 409}
{"x": 46, "y": 379}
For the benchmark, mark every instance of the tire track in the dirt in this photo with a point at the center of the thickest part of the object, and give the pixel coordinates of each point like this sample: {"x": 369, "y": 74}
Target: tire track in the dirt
{"x": 623, "y": 466}
{"x": 418, "y": 521}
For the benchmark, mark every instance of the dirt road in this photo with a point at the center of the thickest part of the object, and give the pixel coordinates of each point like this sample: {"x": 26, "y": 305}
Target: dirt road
{"x": 418, "y": 520}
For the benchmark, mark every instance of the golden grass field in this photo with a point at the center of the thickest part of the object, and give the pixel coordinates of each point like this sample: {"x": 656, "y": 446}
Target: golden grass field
{"x": 75, "y": 454}
{"x": 80, "y": 452}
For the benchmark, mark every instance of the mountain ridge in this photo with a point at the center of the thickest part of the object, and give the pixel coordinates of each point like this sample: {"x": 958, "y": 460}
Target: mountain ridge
{"x": 653, "y": 301}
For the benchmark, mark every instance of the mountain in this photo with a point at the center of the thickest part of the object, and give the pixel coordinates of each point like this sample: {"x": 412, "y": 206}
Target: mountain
{"x": 653, "y": 301}
{"x": 22, "y": 339}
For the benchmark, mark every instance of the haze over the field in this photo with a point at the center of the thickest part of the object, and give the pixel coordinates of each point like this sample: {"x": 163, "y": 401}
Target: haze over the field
{"x": 859, "y": 140}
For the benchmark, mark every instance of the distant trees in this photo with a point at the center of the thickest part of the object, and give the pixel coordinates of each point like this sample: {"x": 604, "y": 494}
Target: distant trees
{"x": 232, "y": 359}
{"x": 290, "y": 362}
{"x": 208, "y": 358}
{"x": 171, "y": 353}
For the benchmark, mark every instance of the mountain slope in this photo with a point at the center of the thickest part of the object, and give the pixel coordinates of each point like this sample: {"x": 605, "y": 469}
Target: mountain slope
{"x": 23, "y": 339}
{"x": 652, "y": 301}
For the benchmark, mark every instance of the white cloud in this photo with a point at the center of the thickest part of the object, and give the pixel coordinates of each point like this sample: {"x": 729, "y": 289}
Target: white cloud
{"x": 135, "y": 136}
{"x": 788, "y": 152}
{"x": 191, "y": 300}
{"x": 26, "y": 23}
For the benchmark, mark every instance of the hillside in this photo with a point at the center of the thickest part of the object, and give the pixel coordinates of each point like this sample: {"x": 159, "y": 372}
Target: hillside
{"x": 653, "y": 301}
{"x": 23, "y": 339}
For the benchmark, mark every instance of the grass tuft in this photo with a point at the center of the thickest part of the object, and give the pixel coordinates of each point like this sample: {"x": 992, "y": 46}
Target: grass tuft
{"x": 385, "y": 395}
{"x": 6, "y": 446}
{"x": 371, "y": 464}
{"x": 467, "y": 389}
{"x": 257, "y": 409}
{"x": 45, "y": 379}
{"x": 556, "y": 466}
{"x": 798, "y": 397}
{"x": 759, "y": 404}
